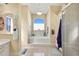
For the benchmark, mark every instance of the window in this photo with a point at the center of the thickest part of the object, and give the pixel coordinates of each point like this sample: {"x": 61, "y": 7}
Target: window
{"x": 38, "y": 24}
{"x": 8, "y": 23}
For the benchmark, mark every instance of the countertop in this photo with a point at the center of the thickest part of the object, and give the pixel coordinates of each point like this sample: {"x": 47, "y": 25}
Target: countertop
{"x": 4, "y": 41}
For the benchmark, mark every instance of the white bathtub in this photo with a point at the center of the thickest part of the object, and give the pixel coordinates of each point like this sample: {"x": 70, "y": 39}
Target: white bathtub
{"x": 40, "y": 40}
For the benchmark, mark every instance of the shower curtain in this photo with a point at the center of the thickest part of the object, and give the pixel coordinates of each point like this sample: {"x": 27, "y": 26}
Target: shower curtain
{"x": 59, "y": 40}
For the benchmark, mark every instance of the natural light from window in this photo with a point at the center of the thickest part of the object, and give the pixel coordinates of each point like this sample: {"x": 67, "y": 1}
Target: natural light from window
{"x": 39, "y": 24}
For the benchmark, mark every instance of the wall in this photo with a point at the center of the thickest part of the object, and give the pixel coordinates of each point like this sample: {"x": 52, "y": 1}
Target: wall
{"x": 54, "y": 22}
{"x": 25, "y": 19}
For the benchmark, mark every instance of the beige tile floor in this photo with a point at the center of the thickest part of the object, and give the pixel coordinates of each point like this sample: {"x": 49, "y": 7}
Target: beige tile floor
{"x": 44, "y": 50}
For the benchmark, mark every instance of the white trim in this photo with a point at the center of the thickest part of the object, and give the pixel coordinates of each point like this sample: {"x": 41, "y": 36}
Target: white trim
{"x": 66, "y": 6}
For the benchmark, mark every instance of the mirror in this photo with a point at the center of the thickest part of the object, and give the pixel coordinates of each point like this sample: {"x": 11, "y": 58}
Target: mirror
{"x": 8, "y": 23}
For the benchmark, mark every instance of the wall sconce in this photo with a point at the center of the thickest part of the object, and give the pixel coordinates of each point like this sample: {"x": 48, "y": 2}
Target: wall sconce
{"x": 52, "y": 32}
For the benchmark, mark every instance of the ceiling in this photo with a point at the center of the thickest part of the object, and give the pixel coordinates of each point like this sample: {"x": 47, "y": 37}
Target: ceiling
{"x": 43, "y": 7}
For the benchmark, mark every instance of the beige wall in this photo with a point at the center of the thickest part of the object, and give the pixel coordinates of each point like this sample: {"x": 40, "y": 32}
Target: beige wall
{"x": 54, "y": 12}
{"x": 25, "y": 19}
{"x": 24, "y": 23}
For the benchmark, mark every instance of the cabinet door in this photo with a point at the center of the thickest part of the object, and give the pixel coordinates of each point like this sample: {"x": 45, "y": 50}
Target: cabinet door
{"x": 4, "y": 50}
{"x": 70, "y": 32}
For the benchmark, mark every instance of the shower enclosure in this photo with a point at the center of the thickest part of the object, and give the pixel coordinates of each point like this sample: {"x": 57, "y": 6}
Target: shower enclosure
{"x": 70, "y": 30}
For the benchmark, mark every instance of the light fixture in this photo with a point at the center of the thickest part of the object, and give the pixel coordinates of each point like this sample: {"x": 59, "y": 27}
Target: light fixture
{"x": 39, "y": 10}
{"x": 39, "y": 13}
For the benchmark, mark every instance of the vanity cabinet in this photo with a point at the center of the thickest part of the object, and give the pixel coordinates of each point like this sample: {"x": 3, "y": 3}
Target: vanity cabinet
{"x": 4, "y": 48}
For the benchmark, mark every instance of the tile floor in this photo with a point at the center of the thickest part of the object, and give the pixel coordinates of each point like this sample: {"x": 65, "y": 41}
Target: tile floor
{"x": 42, "y": 51}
